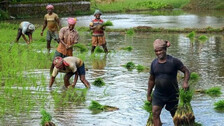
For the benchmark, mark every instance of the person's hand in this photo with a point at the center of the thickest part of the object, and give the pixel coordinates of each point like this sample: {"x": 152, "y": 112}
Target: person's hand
{"x": 149, "y": 98}
{"x": 27, "y": 42}
{"x": 41, "y": 33}
{"x": 185, "y": 86}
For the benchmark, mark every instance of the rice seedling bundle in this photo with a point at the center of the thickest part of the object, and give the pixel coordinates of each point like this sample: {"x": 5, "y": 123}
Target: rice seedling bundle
{"x": 130, "y": 32}
{"x": 99, "y": 82}
{"x": 140, "y": 68}
{"x": 98, "y": 50}
{"x": 219, "y": 106}
{"x": 203, "y": 38}
{"x": 46, "y": 118}
{"x": 129, "y": 65}
{"x": 184, "y": 114}
{"x": 191, "y": 35}
{"x": 81, "y": 47}
{"x": 148, "y": 107}
{"x": 128, "y": 48}
{"x": 96, "y": 107}
{"x": 107, "y": 23}
{"x": 214, "y": 91}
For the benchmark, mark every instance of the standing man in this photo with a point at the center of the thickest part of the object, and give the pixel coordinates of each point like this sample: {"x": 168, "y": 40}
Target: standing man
{"x": 51, "y": 21}
{"x": 25, "y": 28}
{"x": 68, "y": 37}
{"x": 69, "y": 65}
{"x": 98, "y": 37}
{"x": 163, "y": 76}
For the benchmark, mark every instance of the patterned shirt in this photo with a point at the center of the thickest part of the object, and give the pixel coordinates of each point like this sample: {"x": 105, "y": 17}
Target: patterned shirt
{"x": 52, "y": 23}
{"x": 69, "y": 38}
{"x": 96, "y": 32}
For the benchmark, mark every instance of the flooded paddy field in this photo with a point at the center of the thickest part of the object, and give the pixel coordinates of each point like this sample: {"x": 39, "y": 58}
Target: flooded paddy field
{"x": 124, "y": 89}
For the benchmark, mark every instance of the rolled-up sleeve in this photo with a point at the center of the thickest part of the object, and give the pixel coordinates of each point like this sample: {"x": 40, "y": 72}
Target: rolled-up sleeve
{"x": 55, "y": 72}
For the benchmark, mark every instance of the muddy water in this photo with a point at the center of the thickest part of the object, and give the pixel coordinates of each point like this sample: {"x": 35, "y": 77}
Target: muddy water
{"x": 155, "y": 19}
{"x": 127, "y": 89}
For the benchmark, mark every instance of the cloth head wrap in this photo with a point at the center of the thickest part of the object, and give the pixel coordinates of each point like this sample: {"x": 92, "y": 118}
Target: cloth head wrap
{"x": 159, "y": 43}
{"x": 72, "y": 21}
{"x": 58, "y": 62}
{"x": 49, "y": 6}
{"x": 97, "y": 12}
{"x": 31, "y": 27}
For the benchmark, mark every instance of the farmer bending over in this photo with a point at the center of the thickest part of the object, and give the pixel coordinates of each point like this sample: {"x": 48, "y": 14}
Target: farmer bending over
{"x": 25, "y": 28}
{"x": 69, "y": 65}
{"x": 163, "y": 76}
{"x": 98, "y": 37}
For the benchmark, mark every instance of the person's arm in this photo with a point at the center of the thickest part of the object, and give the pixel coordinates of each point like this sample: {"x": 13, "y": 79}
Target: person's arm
{"x": 75, "y": 79}
{"x": 44, "y": 26}
{"x": 186, "y": 77}
{"x": 51, "y": 81}
{"x": 151, "y": 84}
{"x": 30, "y": 38}
{"x": 24, "y": 37}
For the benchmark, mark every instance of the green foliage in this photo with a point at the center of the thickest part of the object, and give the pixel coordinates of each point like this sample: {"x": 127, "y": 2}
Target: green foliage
{"x": 140, "y": 68}
{"x": 128, "y": 48}
{"x": 197, "y": 124}
{"x": 219, "y": 105}
{"x": 81, "y": 47}
{"x": 147, "y": 106}
{"x": 191, "y": 35}
{"x": 130, "y": 31}
{"x": 185, "y": 96}
{"x": 99, "y": 82}
{"x": 194, "y": 77}
{"x": 42, "y": 1}
{"x": 130, "y": 66}
{"x": 203, "y": 38}
{"x": 98, "y": 50}
{"x": 96, "y": 107}
{"x": 46, "y": 117}
{"x": 214, "y": 91}
{"x": 107, "y": 23}
{"x": 4, "y": 15}
{"x": 152, "y": 5}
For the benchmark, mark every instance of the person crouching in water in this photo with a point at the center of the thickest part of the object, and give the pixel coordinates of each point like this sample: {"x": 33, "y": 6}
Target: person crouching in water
{"x": 69, "y": 65}
{"x": 98, "y": 37}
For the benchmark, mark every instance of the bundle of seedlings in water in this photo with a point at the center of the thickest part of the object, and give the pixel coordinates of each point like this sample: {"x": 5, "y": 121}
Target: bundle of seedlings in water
{"x": 99, "y": 82}
{"x": 130, "y": 31}
{"x": 81, "y": 47}
{"x": 140, "y": 68}
{"x": 148, "y": 107}
{"x": 46, "y": 118}
{"x": 219, "y": 106}
{"x": 98, "y": 50}
{"x": 128, "y": 48}
{"x": 202, "y": 38}
{"x": 191, "y": 35}
{"x": 130, "y": 66}
{"x": 213, "y": 92}
{"x": 184, "y": 114}
{"x": 96, "y": 107}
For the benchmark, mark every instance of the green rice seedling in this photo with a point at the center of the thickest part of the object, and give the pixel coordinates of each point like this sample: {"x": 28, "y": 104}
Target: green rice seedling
{"x": 81, "y": 47}
{"x": 219, "y": 105}
{"x": 194, "y": 77}
{"x": 140, "y": 68}
{"x": 214, "y": 91}
{"x": 98, "y": 50}
{"x": 148, "y": 107}
{"x": 130, "y": 32}
{"x": 191, "y": 35}
{"x": 130, "y": 65}
{"x": 96, "y": 107}
{"x": 46, "y": 117}
{"x": 107, "y": 23}
{"x": 203, "y": 38}
{"x": 128, "y": 48}
{"x": 184, "y": 114}
{"x": 99, "y": 82}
